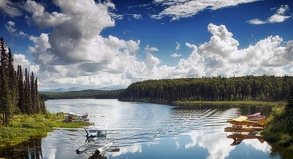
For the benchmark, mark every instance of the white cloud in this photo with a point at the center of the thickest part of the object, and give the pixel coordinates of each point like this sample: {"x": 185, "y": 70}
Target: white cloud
{"x": 177, "y": 9}
{"x": 9, "y": 8}
{"x": 42, "y": 18}
{"x": 20, "y": 59}
{"x": 177, "y": 45}
{"x": 137, "y": 16}
{"x": 150, "y": 49}
{"x": 278, "y": 17}
{"x": 116, "y": 16}
{"x": 256, "y": 21}
{"x": 176, "y": 55}
{"x": 10, "y": 26}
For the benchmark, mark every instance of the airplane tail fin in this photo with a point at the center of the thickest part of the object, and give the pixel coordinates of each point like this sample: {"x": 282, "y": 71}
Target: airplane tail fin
{"x": 262, "y": 121}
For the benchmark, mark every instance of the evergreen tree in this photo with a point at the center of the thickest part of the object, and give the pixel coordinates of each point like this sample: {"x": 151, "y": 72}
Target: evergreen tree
{"x": 18, "y": 93}
{"x": 37, "y": 97}
{"x": 12, "y": 80}
{"x": 27, "y": 92}
{"x": 21, "y": 101}
{"x": 35, "y": 109}
{"x": 5, "y": 99}
{"x": 289, "y": 105}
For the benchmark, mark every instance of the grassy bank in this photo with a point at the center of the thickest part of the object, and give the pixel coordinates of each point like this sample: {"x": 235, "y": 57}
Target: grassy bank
{"x": 234, "y": 103}
{"x": 278, "y": 131}
{"x": 23, "y": 127}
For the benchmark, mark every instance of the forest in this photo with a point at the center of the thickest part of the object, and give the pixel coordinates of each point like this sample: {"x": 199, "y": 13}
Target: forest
{"x": 19, "y": 93}
{"x": 260, "y": 88}
{"x": 84, "y": 94}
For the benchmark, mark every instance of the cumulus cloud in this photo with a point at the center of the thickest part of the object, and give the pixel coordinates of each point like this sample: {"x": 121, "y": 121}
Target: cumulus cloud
{"x": 10, "y": 8}
{"x": 177, "y": 9}
{"x": 278, "y": 17}
{"x": 75, "y": 53}
{"x": 42, "y": 18}
{"x": 19, "y": 59}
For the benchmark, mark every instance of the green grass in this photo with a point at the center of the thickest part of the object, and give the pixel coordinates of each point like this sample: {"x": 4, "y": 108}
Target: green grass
{"x": 234, "y": 103}
{"x": 278, "y": 131}
{"x": 23, "y": 127}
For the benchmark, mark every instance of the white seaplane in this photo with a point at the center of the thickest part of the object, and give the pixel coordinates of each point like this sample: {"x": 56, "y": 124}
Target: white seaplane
{"x": 93, "y": 136}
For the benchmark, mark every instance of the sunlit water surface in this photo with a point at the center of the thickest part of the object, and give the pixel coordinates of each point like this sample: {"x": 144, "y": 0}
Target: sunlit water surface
{"x": 166, "y": 132}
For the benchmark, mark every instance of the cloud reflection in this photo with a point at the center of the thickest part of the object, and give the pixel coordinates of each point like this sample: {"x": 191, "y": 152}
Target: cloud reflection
{"x": 216, "y": 143}
{"x": 129, "y": 149}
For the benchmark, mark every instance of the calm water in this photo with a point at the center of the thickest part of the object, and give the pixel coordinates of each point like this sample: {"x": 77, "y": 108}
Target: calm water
{"x": 167, "y": 132}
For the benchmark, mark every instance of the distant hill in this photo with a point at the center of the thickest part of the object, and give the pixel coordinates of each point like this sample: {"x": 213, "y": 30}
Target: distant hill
{"x": 83, "y": 94}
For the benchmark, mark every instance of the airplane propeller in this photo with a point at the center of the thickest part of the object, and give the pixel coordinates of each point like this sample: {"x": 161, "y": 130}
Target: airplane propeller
{"x": 86, "y": 132}
{"x": 87, "y": 135}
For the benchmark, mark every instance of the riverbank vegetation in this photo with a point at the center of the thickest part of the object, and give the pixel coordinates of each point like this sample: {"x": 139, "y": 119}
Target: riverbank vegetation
{"x": 23, "y": 112}
{"x": 278, "y": 131}
{"x": 23, "y": 127}
{"x": 233, "y": 103}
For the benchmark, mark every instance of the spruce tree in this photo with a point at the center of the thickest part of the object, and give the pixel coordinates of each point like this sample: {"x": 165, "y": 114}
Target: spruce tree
{"x": 27, "y": 92}
{"x": 289, "y": 105}
{"x": 33, "y": 94}
{"x": 21, "y": 99}
{"x": 12, "y": 80}
{"x": 5, "y": 99}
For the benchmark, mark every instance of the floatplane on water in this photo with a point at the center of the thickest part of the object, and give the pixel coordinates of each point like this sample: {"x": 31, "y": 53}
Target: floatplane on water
{"x": 246, "y": 127}
{"x": 237, "y": 123}
{"x": 254, "y": 117}
{"x": 94, "y": 135}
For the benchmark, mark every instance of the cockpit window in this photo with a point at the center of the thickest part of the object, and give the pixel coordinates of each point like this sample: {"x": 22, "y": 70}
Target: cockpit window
{"x": 101, "y": 133}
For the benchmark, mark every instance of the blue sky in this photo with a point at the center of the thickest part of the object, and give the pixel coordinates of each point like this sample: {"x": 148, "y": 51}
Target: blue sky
{"x": 87, "y": 44}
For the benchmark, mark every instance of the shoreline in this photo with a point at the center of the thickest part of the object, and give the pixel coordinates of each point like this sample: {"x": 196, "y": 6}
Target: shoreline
{"x": 24, "y": 127}
{"x": 232, "y": 103}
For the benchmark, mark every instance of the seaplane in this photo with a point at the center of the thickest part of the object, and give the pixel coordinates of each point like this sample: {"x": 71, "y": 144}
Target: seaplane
{"x": 93, "y": 136}
{"x": 244, "y": 121}
{"x": 253, "y": 117}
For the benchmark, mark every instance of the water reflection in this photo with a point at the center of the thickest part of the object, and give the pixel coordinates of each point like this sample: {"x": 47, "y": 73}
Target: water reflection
{"x": 167, "y": 132}
{"x": 27, "y": 150}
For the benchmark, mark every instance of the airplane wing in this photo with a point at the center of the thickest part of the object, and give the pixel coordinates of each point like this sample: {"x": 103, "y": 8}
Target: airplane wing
{"x": 241, "y": 118}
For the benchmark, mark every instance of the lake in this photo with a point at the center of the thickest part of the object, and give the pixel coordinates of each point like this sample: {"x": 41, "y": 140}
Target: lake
{"x": 166, "y": 132}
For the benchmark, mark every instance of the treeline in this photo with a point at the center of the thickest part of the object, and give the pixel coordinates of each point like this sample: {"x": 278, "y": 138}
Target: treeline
{"x": 262, "y": 88}
{"x": 84, "y": 94}
{"x": 19, "y": 94}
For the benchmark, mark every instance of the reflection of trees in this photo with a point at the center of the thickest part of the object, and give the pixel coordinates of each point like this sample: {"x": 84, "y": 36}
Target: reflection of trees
{"x": 27, "y": 150}
{"x": 281, "y": 151}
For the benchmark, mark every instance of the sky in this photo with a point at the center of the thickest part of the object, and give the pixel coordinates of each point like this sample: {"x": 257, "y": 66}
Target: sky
{"x": 103, "y": 44}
